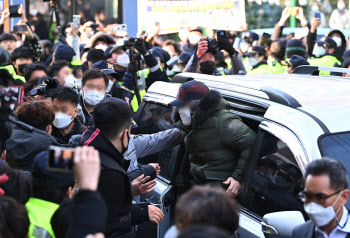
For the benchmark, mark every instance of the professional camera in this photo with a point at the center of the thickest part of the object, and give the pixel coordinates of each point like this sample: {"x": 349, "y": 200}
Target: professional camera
{"x": 212, "y": 44}
{"x": 131, "y": 42}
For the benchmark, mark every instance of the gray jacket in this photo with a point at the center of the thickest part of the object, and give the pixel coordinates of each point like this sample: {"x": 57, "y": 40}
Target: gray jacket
{"x": 236, "y": 61}
{"x": 143, "y": 145}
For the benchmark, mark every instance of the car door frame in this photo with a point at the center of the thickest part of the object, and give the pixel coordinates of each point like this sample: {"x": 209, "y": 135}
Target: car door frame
{"x": 300, "y": 155}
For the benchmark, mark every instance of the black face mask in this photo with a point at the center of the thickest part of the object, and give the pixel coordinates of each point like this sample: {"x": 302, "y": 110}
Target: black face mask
{"x": 21, "y": 68}
{"x": 207, "y": 67}
{"x": 124, "y": 149}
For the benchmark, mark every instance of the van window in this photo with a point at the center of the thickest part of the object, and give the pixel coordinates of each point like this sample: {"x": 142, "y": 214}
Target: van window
{"x": 337, "y": 146}
{"x": 155, "y": 118}
{"x": 276, "y": 180}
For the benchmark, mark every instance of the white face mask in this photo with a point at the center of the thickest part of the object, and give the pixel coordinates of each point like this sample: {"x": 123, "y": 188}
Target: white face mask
{"x": 315, "y": 8}
{"x": 101, "y": 47}
{"x": 69, "y": 81}
{"x": 337, "y": 40}
{"x": 185, "y": 116}
{"x": 194, "y": 39}
{"x": 319, "y": 215}
{"x": 18, "y": 43}
{"x": 109, "y": 87}
{"x": 319, "y": 51}
{"x": 123, "y": 60}
{"x": 341, "y": 5}
{"x": 93, "y": 97}
{"x": 244, "y": 46}
{"x": 252, "y": 61}
{"x": 79, "y": 82}
{"x": 62, "y": 120}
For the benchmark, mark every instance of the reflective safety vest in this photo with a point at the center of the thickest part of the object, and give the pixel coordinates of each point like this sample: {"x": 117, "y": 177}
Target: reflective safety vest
{"x": 76, "y": 62}
{"x": 261, "y": 69}
{"x": 12, "y": 71}
{"x": 326, "y": 61}
{"x": 40, "y": 213}
{"x": 275, "y": 66}
{"x": 142, "y": 74}
{"x": 221, "y": 70}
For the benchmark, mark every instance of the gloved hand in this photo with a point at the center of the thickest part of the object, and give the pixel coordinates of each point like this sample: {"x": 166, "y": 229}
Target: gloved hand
{"x": 140, "y": 46}
{"x": 225, "y": 44}
{"x": 132, "y": 67}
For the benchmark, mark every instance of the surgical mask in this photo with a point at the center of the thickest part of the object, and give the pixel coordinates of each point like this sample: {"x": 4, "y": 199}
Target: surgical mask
{"x": 315, "y": 8}
{"x": 69, "y": 81}
{"x": 341, "y": 5}
{"x": 337, "y": 40}
{"x": 319, "y": 215}
{"x": 252, "y": 61}
{"x": 110, "y": 85}
{"x": 93, "y": 97}
{"x": 302, "y": 2}
{"x": 79, "y": 82}
{"x": 62, "y": 120}
{"x": 18, "y": 43}
{"x": 244, "y": 46}
{"x": 319, "y": 51}
{"x": 207, "y": 67}
{"x": 123, "y": 60}
{"x": 185, "y": 116}
{"x": 101, "y": 47}
{"x": 21, "y": 68}
{"x": 194, "y": 39}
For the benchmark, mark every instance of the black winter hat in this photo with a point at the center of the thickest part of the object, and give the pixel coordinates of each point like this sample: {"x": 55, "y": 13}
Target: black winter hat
{"x": 7, "y": 36}
{"x": 5, "y": 57}
{"x": 295, "y": 44}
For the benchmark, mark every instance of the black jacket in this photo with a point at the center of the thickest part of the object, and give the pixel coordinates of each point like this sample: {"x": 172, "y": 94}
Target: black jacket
{"x": 115, "y": 187}
{"x": 77, "y": 129}
{"x": 23, "y": 146}
{"x": 88, "y": 205}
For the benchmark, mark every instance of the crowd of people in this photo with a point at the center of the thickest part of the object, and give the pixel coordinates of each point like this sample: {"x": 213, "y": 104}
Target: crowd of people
{"x": 81, "y": 89}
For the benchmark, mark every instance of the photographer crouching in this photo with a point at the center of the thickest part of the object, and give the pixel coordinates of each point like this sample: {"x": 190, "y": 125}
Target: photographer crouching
{"x": 203, "y": 61}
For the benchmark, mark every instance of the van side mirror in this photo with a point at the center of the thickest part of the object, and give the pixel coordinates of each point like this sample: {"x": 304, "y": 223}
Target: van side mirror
{"x": 281, "y": 224}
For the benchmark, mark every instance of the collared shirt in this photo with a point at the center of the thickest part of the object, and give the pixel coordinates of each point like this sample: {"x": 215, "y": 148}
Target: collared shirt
{"x": 341, "y": 231}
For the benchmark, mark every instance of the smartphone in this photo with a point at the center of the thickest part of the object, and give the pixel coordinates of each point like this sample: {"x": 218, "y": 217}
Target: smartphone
{"x": 318, "y": 15}
{"x": 221, "y": 35}
{"x": 19, "y": 28}
{"x": 12, "y": 95}
{"x": 94, "y": 26}
{"x": 76, "y": 21}
{"x": 123, "y": 27}
{"x": 60, "y": 159}
{"x": 14, "y": 11}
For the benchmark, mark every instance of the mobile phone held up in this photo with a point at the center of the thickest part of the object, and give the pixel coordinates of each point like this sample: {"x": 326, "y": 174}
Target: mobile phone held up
{"x": 14, "y": 11}
{"x": 60, "y": 159}
{"x": 12, "y": 95}
{"x": 19, "y": 28}
{"x": 318, "y": 15}
{"x": 76, "y": 21}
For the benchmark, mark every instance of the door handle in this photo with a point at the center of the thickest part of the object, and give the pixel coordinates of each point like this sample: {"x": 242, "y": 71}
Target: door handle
{"x": 268, "y": 229}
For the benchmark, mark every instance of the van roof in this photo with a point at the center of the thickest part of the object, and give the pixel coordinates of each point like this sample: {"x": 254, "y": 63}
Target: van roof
{"x": 327, "y": 98}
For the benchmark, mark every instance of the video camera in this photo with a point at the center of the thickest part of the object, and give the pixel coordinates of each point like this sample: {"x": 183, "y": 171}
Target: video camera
{"x": 131, "y": 42}
{"x": 213, "y": 44}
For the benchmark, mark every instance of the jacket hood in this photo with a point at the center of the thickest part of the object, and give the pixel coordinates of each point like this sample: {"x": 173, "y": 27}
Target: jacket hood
{"x": 341, "y": 35}
{"x": 209, "y": 104}
{"x": 92, "y": 137}
{"x": 23, "y": 146}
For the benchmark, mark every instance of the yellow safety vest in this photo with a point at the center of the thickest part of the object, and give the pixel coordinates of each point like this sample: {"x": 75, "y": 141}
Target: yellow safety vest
{"x": 275, "y": 66}
{"x": 40, "y": 213}
{"x": 261, "y": 69}
{"x": 326, "y": 61}
{"x": 12, "y": 71}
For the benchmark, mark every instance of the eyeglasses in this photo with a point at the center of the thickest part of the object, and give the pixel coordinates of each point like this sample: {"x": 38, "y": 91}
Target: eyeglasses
{"x": 320, "y": 197}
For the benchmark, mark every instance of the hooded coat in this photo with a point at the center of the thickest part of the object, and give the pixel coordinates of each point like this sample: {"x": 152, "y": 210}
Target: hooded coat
{"x": 23, "y": 146}
{"x": 218, "y": 142}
